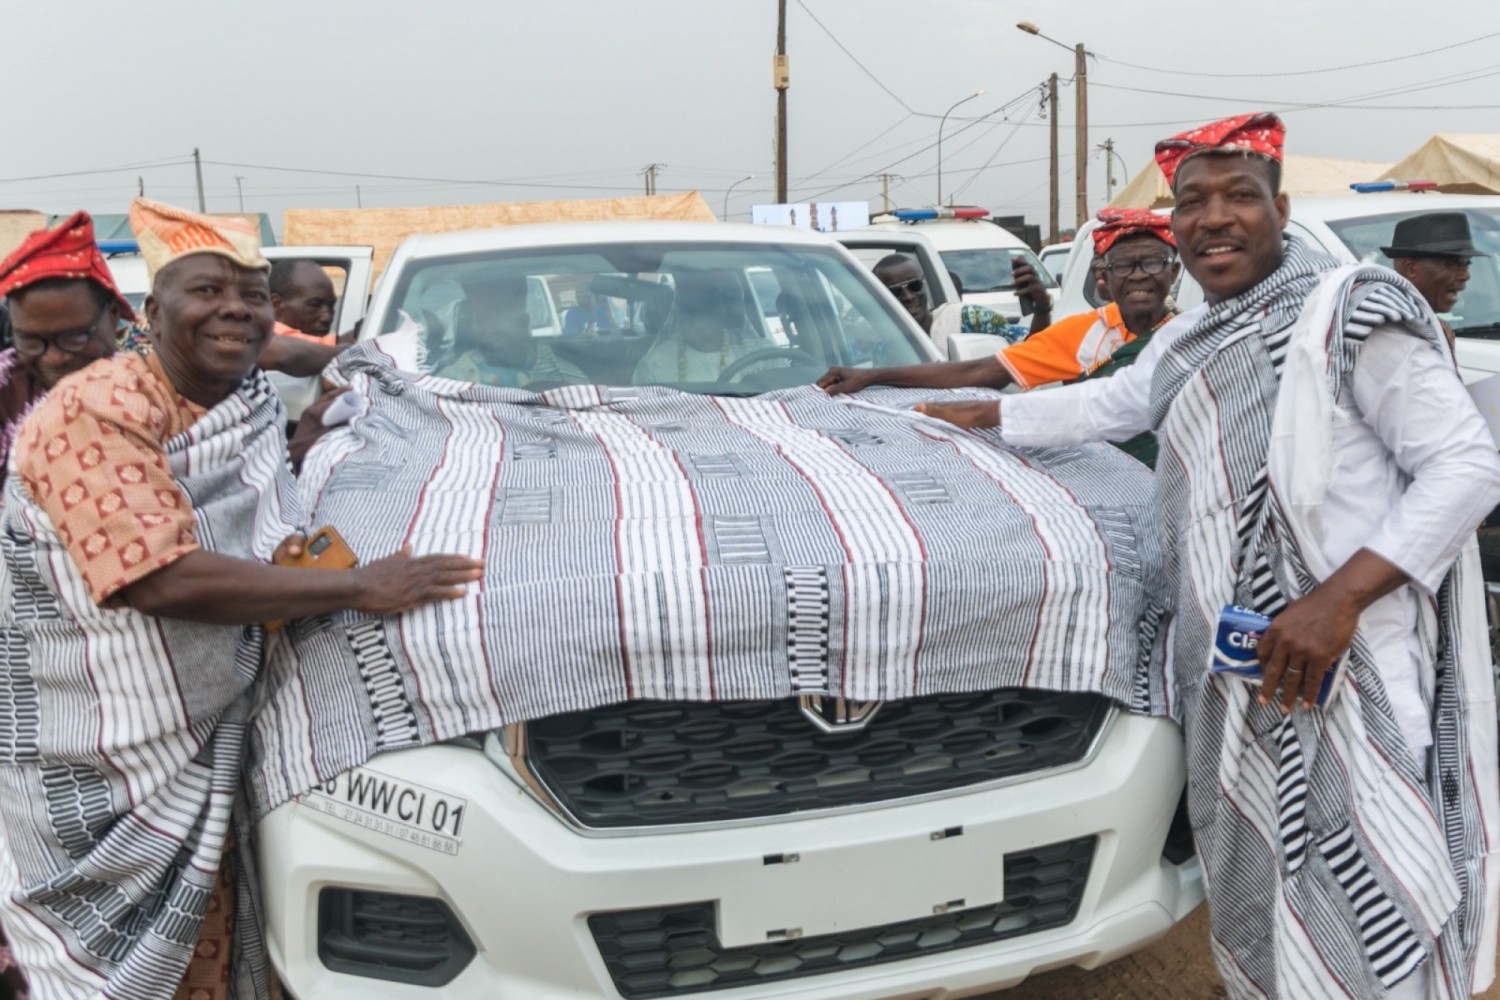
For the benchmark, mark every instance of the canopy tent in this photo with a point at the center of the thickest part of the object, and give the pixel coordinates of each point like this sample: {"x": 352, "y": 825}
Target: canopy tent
{"x": 1460, "y": 164}
{"x": 1300, "y": 175}
{"x": 384, "y": 228}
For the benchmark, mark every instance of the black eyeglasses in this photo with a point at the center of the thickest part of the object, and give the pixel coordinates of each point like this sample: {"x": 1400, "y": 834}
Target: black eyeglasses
{"x": 1125, "y": 268}
{"x": 912, "y": 287}
{"x": 29, "y": 345}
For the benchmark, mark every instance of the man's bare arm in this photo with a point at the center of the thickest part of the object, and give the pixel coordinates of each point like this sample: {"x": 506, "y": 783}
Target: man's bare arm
{"x": 979, "y": 373}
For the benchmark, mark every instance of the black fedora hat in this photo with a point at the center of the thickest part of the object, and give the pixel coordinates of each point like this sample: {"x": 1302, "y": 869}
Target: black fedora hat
{"x": 1438, "y": 234}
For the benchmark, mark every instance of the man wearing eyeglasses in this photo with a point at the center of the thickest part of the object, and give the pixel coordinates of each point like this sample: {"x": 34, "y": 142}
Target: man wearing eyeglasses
{"x": 1136, "y": 257}
{"x": 65, "y": 313}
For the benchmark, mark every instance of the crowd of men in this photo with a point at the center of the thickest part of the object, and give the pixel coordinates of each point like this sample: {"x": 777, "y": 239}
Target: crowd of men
{"x": 1317, "y": 460}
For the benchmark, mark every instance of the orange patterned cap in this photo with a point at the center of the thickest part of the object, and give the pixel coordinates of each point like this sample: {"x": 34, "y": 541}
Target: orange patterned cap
{"x": 166, "y": 233}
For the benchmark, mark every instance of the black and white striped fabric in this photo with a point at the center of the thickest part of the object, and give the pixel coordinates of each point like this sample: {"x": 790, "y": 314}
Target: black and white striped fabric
{"x": 1336, "y": 865}
{"x": 651, "y": 544}
{"x": 122, "y": 737}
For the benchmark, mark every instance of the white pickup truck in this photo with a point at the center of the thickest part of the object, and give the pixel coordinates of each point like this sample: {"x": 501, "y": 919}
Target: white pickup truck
{"x": 936, "y": 846}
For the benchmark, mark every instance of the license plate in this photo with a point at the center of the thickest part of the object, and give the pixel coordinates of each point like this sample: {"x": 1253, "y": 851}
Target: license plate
{"x": 809, "y": 893}
{"x": 407, "y": 811}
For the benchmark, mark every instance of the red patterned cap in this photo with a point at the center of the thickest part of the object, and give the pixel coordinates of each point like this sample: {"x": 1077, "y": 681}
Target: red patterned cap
{"x": 69, "y": 251}
{"x": 1260, "y": 132}
{"x": 1121, "y": 222}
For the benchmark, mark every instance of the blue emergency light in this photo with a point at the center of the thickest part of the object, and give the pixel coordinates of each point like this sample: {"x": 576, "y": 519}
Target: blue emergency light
{"x": 119, "y": 246}
{"x": 1370, "y": 187}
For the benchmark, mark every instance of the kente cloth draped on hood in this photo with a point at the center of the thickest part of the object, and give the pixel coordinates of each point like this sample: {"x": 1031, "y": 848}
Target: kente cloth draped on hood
{"x": 122, "y": 736}
{"x": 67, "y": 251}
{"x": 1336, "y": 865}
{"x": 1117, "y": 223}
{"x": 653, "y": 544}
{"x": 1260, "y": 133}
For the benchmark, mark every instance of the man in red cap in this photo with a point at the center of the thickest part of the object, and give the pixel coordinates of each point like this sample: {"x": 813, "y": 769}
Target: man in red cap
{"x": 65, "y": 312}
{"x": 1321, "y": 467}
{"x": 1135, "y": 257}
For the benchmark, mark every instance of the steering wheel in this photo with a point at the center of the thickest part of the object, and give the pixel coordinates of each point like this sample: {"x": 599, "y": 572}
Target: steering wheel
{"x": 739, "y": 365}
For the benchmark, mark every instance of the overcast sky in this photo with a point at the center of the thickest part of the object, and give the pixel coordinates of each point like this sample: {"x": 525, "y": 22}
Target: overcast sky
{"x": 572, "y": 98}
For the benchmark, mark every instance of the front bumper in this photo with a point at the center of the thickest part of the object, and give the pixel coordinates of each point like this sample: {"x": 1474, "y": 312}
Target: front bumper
{"x": 524, "y": 886}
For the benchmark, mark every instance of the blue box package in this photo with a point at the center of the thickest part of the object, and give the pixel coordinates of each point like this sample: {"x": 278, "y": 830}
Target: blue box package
{"x": 1234, "y": 652}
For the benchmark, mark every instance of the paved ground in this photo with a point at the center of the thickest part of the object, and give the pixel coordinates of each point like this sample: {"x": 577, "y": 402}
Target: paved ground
{"x": 1177, "y": 967}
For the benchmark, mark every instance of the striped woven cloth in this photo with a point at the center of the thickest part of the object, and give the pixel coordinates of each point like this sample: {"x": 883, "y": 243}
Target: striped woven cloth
{"x": 122, "y": 737}
{"x": 646, "y": 543}
{"x": 1337, "y": 866}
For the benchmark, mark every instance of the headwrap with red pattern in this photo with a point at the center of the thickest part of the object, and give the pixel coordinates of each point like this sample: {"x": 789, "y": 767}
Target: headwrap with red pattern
{"x": 69, "y": 251}
{"x": 1118, "y": 223}
{"x": 1261, "y": 133}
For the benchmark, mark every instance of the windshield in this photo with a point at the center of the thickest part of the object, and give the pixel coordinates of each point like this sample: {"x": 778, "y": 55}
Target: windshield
{"x": 988, "y": 270}
{"x": 733, "y": 319}
{"x": 1477, "y": 312}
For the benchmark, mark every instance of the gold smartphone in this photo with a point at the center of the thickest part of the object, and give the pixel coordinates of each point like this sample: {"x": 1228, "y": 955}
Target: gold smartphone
{"x": 326, "y": 549}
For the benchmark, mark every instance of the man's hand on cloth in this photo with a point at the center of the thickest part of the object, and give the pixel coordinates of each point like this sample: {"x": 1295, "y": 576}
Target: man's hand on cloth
{"x": 401, "y": 582}
{"x": 973, "y": 415}
{"x": 837, "y": 381}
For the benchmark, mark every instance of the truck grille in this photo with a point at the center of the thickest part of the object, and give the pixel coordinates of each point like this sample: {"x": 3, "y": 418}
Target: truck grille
{"x": 656, "y": 763}
{"x": 673, "y": 951}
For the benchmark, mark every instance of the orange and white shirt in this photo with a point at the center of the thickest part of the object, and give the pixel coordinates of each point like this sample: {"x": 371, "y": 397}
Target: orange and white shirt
{"x": 1067, "y": 349}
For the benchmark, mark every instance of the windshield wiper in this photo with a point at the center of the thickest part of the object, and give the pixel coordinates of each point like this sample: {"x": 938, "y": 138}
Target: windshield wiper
{"x": 1480, "y": 331}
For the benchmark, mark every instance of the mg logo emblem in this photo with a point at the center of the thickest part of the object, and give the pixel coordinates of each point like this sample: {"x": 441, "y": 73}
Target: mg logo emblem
{"x": 838, "y": 715}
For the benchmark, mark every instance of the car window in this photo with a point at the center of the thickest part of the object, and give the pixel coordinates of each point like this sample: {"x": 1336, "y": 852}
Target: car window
{"x": 717, "y": 318}
{"x": 1477, "y": 312}
{"x": 988, "y": 270}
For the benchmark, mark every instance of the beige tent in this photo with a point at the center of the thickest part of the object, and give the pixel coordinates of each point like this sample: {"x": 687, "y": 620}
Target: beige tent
{"x": 1460, "y": 164}
{"x": 1300, "y": 175}
{"x": 16, "y": 225}
{"x": 384, "y": 228}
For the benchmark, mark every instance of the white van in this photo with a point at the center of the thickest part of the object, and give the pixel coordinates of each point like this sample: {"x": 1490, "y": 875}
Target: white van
{"x": 974, "y": 249}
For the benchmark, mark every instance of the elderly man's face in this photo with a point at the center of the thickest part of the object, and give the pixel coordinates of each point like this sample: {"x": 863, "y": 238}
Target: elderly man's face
{"x": 60, "y": 327}
{"x": 1228, "y": 223}
{"x": 211, "y": 319}
{"x": 1440, "y": 279}
{"x": 1135, "y": 290}
{"x": 309, "y": 305}
{"x": 906, "y": 283}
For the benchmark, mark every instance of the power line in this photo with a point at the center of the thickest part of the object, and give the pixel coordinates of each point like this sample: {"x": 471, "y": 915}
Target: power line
{"x": 445, "y": 181}
{"x": 1299, "y": 72}
{"x": 152, "y": 165}
{"x": 854, "y": 152}
{"x": 1342, "y": 102}
{"x": 1003, "y": 143}
{"x": 1024, "y": 95}
{"x": 865, "y": 69}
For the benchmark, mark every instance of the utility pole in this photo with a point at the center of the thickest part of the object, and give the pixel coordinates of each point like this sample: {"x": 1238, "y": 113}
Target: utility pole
{"x": 781, "y": 79}
{"x": 1052, "y": 202}
{"x": 240, "y": 189}
{"x": 1080, "y": 83}
{"x": 885, "y": 192}
{"x": 1108, "y": 145}
{"x": 140, "y": 185}
{"x": 651, "y": 169}
{"x": 359, "y": 199}
{"x": 198, "y": 166}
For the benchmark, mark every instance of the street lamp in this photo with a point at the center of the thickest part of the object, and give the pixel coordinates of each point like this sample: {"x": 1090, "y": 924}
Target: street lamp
{"x": 747, "y": 177}
{"x": 941, "y": 123}
{"x": 1081, "y": 151}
